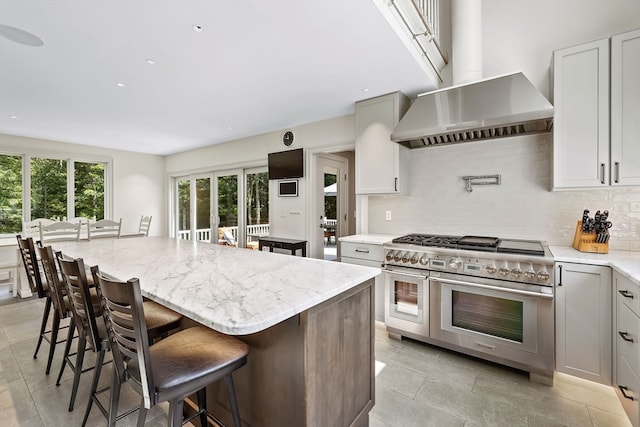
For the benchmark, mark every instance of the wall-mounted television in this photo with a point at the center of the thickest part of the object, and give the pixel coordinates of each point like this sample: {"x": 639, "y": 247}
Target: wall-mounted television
{"x": 286, "y": 164}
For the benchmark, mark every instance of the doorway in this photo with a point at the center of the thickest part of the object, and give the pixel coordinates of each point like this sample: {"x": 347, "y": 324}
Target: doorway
{"x": 331, "y": 203}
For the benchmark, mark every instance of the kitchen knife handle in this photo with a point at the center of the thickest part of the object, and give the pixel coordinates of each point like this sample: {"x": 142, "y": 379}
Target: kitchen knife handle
{"x": 616, "y": 171}
{"x": 560, "y": 275}
{"x": 601, "y": 173}
{"x": 625, "y": 336}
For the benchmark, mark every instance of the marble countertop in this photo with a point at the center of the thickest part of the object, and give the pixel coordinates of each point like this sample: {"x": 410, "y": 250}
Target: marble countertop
{"x": 626, "y": 263}
{"x": 374, "y": 239}
{"x": 232, "y": 290}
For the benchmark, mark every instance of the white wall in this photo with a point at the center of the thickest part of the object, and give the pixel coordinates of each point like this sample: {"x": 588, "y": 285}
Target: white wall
{"x": 285, "y": 221}
{"x": 139, "y": 186}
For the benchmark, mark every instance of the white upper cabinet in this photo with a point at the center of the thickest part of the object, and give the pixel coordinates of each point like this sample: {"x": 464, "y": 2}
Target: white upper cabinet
{"x": 581, "y": 121}
{"x": 625, "y": 108}
{"x": 596, "y": 90}
{"x": 381, "y": 164}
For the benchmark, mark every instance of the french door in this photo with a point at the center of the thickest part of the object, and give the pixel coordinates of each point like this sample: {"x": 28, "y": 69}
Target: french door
{"x": 228, "y": 207}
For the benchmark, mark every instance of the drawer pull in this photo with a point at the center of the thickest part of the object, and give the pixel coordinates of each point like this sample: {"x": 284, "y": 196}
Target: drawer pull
{"x": 625, "y": 336}
{"x": 626, "y": 294}
{"x": 623, "y": 390}
{"x": 363, "y": 251}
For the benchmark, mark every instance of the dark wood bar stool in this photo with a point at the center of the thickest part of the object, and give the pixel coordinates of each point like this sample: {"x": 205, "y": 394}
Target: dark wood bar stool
{"x": 41, "y": 287}
{"x": 87, "y": 307}
{"x": 172, "y": 369}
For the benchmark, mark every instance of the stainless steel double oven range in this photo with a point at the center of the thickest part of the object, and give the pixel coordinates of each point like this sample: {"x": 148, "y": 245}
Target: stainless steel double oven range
{"x": 484, "y": 296}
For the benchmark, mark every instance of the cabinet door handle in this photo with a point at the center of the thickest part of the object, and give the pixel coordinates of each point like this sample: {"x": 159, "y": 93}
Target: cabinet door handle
{"x": 623, "y": 390}
{"x": 395, "y": 184}
{"x": 601, "y": 173}
{"x": 626, "y": 293}
{"x": 364, "y": 251}
{"x": 560, "y": 275}
{"x": 625, "y": 336}
{"x": 616, "y": 172}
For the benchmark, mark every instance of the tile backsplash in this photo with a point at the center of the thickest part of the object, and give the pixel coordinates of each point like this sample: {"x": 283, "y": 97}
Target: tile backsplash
{"x": 522, "y": 206}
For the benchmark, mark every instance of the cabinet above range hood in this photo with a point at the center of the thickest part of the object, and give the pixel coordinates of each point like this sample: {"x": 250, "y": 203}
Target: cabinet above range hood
{"x": 493, "y": 108}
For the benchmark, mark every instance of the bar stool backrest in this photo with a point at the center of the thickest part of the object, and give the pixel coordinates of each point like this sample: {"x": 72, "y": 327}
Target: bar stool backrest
{"x": 125, "y": 317}
{"x": 57, "y": 287}
{"x": 75, "y": 278}
{"x": 30, "y": 262}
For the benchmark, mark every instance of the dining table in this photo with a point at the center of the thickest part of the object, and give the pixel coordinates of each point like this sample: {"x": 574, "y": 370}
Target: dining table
{"x": 309, "y": 322}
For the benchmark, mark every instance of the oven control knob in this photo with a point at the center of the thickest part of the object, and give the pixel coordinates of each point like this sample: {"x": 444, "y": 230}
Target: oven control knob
{"x": 455, "y": 263}
{"x": 405, "y": 257}
{"x": 424, "y": 260}
{"x": 516, "y": 272}
{"x": 414, "y": 258}
{"x": 397, "y": 257}
{"x": 543, "y": 276}
{"x": 504, "y": 271}
{"x": 530, "y": 274}
{"x": 491, "y": 268}
{"x": 389, "y": 256}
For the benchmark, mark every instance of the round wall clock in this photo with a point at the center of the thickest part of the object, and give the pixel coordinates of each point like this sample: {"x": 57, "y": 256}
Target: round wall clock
{"x": 287, "y": 138}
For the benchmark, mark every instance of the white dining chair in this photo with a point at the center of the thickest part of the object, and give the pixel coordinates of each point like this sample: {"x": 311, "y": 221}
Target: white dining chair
{"x": 105, "y": 228}
{"x": 59, "y": 231}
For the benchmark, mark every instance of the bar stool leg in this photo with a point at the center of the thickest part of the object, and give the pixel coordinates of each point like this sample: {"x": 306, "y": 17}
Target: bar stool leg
{"x": 142, "y": 413}
{"x": 231, "y": 391}
{"x": 43, "y": 327}
{"x": 67, "y": 349}
{"x": 55, "y": 325}
{"x": 202, "y": 406}
{"x": 115, "y": 397}
{"x": 176, "y": 408}
{"x": 82, "y": 343}
{"x": 94, "y": 385}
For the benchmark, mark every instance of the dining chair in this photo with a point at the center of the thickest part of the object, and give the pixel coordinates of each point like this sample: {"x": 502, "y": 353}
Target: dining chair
{"x": 43, "y": 290}
{"x": 84, "y": 225}
{"x": 59, "y": 231}
{"x": 105, "y": 228}
{"x": 171, "y": 369}
{"x": 32, "y": 228}
{"x": 145, "y": 224}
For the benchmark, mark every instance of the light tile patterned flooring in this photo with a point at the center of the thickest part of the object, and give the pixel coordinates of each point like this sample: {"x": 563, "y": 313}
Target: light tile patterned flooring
{"x": 417, "y": 385}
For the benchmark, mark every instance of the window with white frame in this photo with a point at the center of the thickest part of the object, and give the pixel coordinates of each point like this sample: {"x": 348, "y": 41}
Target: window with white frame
{"x": 54, "y": 188}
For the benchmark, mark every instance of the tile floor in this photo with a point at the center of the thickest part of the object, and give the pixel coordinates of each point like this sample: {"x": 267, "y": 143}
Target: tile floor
{"x": 417, "y": 385}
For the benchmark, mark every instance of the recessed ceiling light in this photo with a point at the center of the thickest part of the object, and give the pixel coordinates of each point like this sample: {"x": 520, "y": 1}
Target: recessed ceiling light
{"x": 366, "y": 89}
{"x": 198, "y": 28}
{"x": 150, "y": 61}
{"x": 14, "y": 117}
{"x": 120, "y": 84}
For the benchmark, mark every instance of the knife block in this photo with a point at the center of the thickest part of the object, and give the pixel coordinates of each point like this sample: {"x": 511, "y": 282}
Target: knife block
{"x": 586, "y": 242}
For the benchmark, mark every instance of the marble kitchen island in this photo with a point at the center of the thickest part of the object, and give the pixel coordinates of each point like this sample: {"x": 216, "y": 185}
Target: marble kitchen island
{"x": 309, "y": 322}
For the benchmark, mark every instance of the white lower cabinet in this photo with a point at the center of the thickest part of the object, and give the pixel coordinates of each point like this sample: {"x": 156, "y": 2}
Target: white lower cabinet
{"x": 583, "y": 321}
{"x": 626, "y": 354}
{"x": 370, "y": 255}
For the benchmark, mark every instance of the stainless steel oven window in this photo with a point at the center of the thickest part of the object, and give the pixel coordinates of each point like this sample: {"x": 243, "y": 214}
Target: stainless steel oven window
{"x": 499, "y": 317}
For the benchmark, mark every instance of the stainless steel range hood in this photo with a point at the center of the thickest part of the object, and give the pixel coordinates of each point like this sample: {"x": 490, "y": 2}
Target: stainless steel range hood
{"x": 493, "y": 108}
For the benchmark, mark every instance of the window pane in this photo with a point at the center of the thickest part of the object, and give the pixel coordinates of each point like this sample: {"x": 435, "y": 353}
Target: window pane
{"x": 228, "y": 200}
{"x": 48, "y": 188}
{"x": 184, "y": 210}
{"x": 10, "y": 194}
{"x": 89, "y": 190}
{"x": 257, "y": 206}
{"x": 203, "y": 209}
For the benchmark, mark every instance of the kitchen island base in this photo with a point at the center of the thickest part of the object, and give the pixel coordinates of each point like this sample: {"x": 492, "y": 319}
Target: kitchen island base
{"x": 314, "y": 369}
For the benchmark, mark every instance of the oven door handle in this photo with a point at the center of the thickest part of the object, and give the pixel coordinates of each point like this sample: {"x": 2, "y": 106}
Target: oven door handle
{"x": 402, "y": 273}
{"x": 494, "y": 288}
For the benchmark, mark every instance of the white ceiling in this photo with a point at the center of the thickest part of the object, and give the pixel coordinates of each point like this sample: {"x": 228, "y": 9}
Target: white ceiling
{"x": 257, "y": 66}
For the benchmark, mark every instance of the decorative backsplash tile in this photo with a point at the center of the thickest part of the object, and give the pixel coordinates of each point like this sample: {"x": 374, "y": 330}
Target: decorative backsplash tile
{"x": 521, "y": 207}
